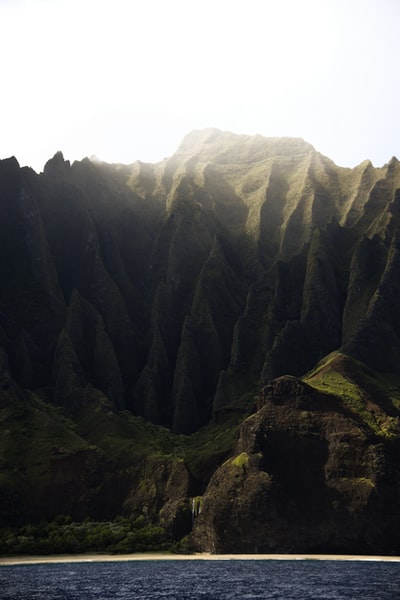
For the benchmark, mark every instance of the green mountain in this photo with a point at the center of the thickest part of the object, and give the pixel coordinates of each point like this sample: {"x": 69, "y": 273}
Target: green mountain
{"x": 202, "y": 353}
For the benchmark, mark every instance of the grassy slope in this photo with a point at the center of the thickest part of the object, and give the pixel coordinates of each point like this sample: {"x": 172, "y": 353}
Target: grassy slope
{"x": 34, "y": 434}
{"x": 371, "y": 396}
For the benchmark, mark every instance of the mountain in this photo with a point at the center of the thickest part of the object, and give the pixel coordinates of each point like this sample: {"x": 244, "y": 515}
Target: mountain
{"x": 223, "y": 321}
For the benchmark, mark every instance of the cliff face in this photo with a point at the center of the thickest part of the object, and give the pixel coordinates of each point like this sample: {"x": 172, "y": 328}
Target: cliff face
{"x": 173, "y": 290}
{"x": 167, "y": 286}
{"x": 307, "y": 475}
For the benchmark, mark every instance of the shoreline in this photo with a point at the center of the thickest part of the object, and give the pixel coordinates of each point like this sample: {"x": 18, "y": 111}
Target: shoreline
{"x": 79, "y": 558}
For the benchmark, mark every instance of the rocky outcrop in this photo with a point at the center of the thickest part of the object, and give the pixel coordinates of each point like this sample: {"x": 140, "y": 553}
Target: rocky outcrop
{"x": 306, "y": 476}
{"x": 161, "y": 494}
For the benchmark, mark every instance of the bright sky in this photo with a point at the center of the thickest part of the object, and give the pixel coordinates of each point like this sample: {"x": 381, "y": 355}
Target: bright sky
{"x": 127, "y": 79}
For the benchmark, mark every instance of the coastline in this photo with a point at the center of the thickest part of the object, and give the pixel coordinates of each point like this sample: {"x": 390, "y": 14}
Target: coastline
{"x": 79, "y": 558}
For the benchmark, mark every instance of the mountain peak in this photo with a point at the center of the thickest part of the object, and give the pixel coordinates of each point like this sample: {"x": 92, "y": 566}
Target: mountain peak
{"x": 56, "y": 165}
{"x": 8, "y": 165}
{"x": 224, "y": 145}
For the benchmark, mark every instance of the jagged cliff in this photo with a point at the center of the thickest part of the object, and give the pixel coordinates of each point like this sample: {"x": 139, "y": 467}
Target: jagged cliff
{"x": 176, "y": 291}
{"x": 309, "y": 474}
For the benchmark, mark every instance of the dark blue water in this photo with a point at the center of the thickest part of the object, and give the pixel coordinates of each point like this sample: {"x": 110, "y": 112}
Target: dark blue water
{"x": 191, "y": 579}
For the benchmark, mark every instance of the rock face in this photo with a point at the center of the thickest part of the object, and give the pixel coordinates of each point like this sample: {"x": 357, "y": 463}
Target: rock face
{"x": 168, "y": 286}
{"x": 174, "y": 290}
{"x": 306, "y": 476}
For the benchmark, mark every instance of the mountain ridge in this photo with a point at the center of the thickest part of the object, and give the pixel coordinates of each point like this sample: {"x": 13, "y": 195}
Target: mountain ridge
{"x": 177, "y": 291}
{"x": 266, "y": 199}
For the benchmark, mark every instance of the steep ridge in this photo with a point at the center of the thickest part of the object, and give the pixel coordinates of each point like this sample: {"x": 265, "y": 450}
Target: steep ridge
{"x": 164, "y": 256}
{"x": 177, "y": 291}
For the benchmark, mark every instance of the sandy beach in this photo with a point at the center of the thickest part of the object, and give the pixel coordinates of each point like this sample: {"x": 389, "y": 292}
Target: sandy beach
{"x": 74, "y": 558}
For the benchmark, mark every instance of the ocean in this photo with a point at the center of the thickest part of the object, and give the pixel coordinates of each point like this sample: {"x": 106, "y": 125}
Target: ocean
{"x": 202, "y": 579}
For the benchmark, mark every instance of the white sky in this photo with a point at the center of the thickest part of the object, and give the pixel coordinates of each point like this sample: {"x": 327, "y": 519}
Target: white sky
{"x": 127, "y": 79}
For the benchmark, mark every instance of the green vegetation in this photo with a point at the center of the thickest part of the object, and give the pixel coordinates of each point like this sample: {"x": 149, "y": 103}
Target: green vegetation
{"x": 40, "y": 440}
{"x": 241, "y": 460}
{"x": 34, "y": 432}
{"x": 103, "y": 463}
{"x": 65, "y": 536}
{"x": 357, "y": 386}
{"x": 123, "y": 436}
{"x": 333, "y": 382}
{"x": 214, "y": 443}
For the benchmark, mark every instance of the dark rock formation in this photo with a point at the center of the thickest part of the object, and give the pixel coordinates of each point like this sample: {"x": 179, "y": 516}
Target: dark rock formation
{"x": 175, "y": 291}
{"x": 239, "y": 255}
{"x": 306, "y": 476}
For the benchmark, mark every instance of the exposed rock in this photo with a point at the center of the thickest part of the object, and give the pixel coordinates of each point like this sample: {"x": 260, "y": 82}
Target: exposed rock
{"x": 305, "y": 477}
{"x": 150, "y": 249}
{"x": 163, "y": 495}
{"x": 178, "y": 291}
{"x": 68, "y": 374}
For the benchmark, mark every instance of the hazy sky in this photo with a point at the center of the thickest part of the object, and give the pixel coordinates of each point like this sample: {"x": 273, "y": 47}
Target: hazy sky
{"x": 127, "y": 79}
